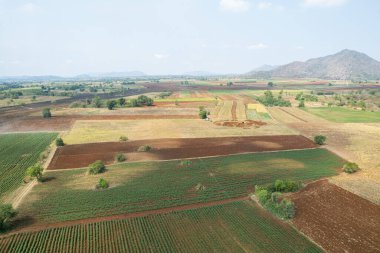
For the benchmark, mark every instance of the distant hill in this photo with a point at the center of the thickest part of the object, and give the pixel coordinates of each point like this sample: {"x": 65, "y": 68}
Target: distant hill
{"x": 346, "y": 64}
{"x": 264, "y": 68}
{"x": 199, "y": 73}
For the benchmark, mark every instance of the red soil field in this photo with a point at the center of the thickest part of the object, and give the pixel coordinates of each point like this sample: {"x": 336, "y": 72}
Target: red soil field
{"x": 336, "y": 219}
{"x": 81, "y": 155}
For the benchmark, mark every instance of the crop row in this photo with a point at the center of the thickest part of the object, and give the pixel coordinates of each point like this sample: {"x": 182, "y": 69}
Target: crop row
{"x": 17, "y": 152}
{"x": 234, "y": 227}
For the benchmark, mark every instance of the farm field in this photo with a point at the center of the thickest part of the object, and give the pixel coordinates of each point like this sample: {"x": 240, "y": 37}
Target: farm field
{"x": 25, "y": 100}
{"x": 336, "y": 219}
{"x": 140, "y": 186}
{"x": 344, "y": 115}
{"x": 17, "y": 153}
{"x": 90, "y": 131}
{"x": 81, "y": 155}
{"x": 353, "y": 141}
{"x": 193, "y": 230}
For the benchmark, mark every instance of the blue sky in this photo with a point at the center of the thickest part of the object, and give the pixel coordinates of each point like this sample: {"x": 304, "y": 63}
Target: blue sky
{"x": 70, "y": 37}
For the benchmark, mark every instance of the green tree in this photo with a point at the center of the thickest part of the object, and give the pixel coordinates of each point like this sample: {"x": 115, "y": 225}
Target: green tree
{"x": 46, "y": 113}
{"x": 121, "y": 102}
{"x": 301, "y": 103}
{"x": 320, "y": 139}
{"x": 270, "y": 84}
{"x": 111, "y": 104}
{"x": 96, "y": 168}
{"x": 6, "y": 213}
{"x": 59, "y": 142}
{"x": 102, "y": 184}
{"x": 350, "y": 167}
{"x": 120, "y": 157}
{"x": 35, "y": 171}
{"x": 97, "y": 102}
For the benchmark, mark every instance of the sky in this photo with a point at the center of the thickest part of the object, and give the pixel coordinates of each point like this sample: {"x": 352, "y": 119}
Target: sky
{"x": 157, "y": 37}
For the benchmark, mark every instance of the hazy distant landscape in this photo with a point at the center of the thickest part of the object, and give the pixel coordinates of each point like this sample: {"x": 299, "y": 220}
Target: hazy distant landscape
{"x": 186, "y": 126}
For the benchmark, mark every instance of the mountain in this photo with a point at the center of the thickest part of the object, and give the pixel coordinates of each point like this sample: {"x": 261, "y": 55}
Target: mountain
{"x": 346, "y": 64}
{"x": 264, "y": 67}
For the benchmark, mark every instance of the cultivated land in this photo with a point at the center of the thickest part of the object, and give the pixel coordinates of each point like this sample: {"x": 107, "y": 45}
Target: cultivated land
{"x": 104, "y": 131}
{"x": 243, "y": 226}
{"x": 336, "y": 219}
{"x": 134, "y": 187}
{"x": 345, "y": 115}
{"x": 17, "y": 153}
{"x": 81, "y": 155}
{"x": 356, "y": 142}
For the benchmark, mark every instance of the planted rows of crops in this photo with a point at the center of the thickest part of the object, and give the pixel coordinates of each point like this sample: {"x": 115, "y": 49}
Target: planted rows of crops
{"x": 147, "y": 186}
{"x": 234, "y": 227}
{"x": 17, "y": 153}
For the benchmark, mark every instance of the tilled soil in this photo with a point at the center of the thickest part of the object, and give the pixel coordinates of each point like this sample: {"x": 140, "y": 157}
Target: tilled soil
{"x": 81, "y": 155}
{"x": 336, "y": 219}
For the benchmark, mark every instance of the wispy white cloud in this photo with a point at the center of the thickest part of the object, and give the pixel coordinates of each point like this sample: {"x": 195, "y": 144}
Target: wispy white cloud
{"x": 324, "y": 3}
{"x": 258, "y": 46}
{"x": 234, "y": 5}
{"x": 161, "y": 56}
{"x": 29, "y": 8}
{"x": 299, "y": 48}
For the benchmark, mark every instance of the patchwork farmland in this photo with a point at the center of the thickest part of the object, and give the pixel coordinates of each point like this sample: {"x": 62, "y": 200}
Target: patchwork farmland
{"x": 186, "y": 183}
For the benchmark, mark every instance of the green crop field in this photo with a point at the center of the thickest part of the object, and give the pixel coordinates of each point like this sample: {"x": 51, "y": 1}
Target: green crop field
{"x": 70, "y": 195}
{"x": 17, "y": 153}
{"x": 345, "y": 115}
{"x": 234, "y": 227}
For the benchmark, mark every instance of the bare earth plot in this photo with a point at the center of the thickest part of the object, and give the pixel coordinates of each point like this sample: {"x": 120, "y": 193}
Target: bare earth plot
{"x": 91, "y": 131}
{"x": 357, "y": 142}
{"x": 336, "y": 219}
{"x": 81, "y": 155}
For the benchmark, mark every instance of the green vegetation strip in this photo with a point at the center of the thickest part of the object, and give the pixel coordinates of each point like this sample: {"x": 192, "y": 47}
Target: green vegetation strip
{"x": 134, "y": 187}
{"x": 344, "y": 115}
{"x": 234, "y": 227}
{"x": 17, "y": 153}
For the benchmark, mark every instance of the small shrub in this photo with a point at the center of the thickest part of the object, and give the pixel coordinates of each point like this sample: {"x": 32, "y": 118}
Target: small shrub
{"x": 350, "y": 168}
{"x": 120, "y": 157}
{"x": 320, "y": 139}
{"x": 59, "y": 142}
{"x": 202, "y": 114}
{"x": 6, "y": 213}
{"x": 102, "y": 184}
{"x": 144, "y": 148}
{"x": 288, "y": 209}
{"x": 46, "y": 113}
{"x": 263, "y": 196}
{"x": 123, "y": 138}
{"x": 96, "y": 168}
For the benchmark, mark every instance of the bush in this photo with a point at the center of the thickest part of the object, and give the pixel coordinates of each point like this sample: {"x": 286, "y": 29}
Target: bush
{"x": 120, "y": 157}
{"x": 96, "y": 168}
{"x": 288, "y": 209}
{"x": 263, "y": 196}
{"x": 123, "y": 138}
{"x": 102, "y": 184}
{"x": 275, "y": 197}
{"x": 46, "y": 113}
{"x": 301, "y": 104}
{"x": 350, "y": 168}
{"x": 320, "y": 139}
{"x": 144, "y": 148}
{"x": 35, "y": 171}
{"x": 6, "y": 213}
{"x": 203, "y": 114}
{"x": 111, "y": 104}
{"x": 59, "y": 142}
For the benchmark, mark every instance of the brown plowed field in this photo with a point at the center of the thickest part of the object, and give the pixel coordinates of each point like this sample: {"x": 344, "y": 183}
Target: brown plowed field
{"x": 336, "y": 219}
{"x": 81, "y": 155}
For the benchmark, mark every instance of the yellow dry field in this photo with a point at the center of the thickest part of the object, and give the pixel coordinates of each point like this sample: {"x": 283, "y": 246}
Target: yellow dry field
{"x": 258, "y": 107}
{"x": 225, "y": 113}
{"x": 356, "y": 142}
{"x": 240, "y": 111}
{"x": 89, "y": 131}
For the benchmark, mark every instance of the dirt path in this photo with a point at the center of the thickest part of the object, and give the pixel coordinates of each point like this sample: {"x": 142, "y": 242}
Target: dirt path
{"x": 125, "y": 216}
